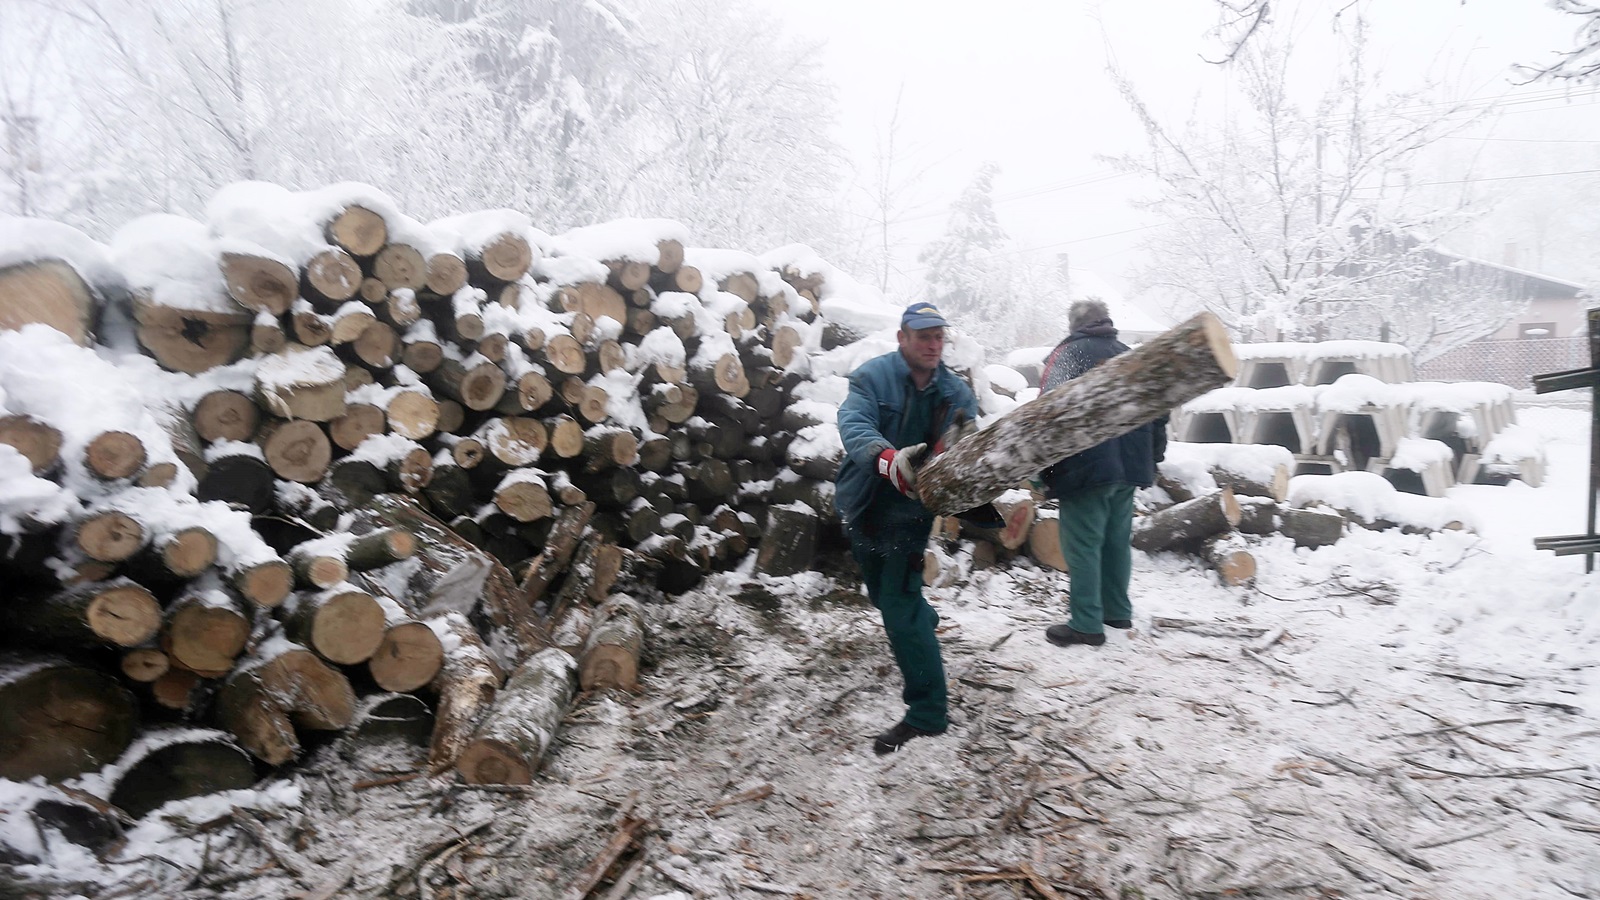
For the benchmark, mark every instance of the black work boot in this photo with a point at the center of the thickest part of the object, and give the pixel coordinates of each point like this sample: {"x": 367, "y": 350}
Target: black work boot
{"x": 1063, "y": 635}
{"x": 894, "y": 738}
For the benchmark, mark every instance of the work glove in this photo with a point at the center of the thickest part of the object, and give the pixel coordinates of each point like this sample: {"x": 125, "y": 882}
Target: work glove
{"x": 900, "y": 467}
{"x": 961, "y": 425}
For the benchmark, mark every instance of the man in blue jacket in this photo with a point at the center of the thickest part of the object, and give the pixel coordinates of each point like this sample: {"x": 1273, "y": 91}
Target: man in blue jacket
{"x": 1096, "y": 490}
{"x": 899, "y": 405}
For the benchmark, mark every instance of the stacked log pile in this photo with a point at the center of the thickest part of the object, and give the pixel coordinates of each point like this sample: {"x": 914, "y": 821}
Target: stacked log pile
{"x": 445, "y": 460}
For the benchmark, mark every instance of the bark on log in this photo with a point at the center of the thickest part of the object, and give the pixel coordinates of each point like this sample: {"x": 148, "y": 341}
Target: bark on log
{"x": 48, "y": 292}
{"x": 244, "y": 479}
{"x": 1258, "y": 515}
{"x": 557, "y": 553}
{"x": 465, "y": 686}
{"x": 118, "y": 612}
{"x": 610, "y": 659}
{"x": 1110, "y": 400}
{"x": 526, "y": 714}
{"x": 1311, "y": 527}
{"x": 1185, "y": 526}
{"x": 1230, "y": 558}
{"x": 790, "y": 543}
{"x": 58, "y": 720}
{"x": 177, "y": 763}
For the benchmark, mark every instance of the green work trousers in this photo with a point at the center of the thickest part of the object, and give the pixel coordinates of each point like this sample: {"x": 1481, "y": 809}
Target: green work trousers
{"x": 894, "y": 582}
{"x": 1096, "y": 526}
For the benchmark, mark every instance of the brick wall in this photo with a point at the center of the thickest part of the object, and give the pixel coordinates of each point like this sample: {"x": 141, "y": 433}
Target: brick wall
{"x": 1512, "y": 363}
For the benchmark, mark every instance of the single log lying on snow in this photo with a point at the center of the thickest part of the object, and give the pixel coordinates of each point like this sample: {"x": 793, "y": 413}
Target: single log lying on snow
{"x": 1186, "y": 525}
{"x": 523, "y": 721}
{"x": 790, "y": 543}
{"x": 1311, "y": 527}
{"x": 58, "y": 719}
{"x": 1110, "y": 400}
{"x": 175, "y": 763}
{"x": 1230, "y": 558}
{"x": 466, "y": 686}
{"x": 610, "y": 659}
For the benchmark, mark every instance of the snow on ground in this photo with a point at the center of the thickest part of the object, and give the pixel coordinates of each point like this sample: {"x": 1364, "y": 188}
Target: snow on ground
{"x": 1395, "y": 715}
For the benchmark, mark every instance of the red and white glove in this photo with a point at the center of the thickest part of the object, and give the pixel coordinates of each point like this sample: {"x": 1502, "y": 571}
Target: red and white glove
{"x": 900, "y": 467}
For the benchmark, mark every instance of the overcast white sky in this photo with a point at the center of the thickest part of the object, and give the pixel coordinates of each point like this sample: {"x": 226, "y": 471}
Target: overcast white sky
{"x": 1023, "y": 83}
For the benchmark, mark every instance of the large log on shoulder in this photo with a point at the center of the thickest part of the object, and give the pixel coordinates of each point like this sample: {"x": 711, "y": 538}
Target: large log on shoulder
{"x": 1110, "y": 400}
{"x": 58, "y": 719}
{"x": 527, "y": 713}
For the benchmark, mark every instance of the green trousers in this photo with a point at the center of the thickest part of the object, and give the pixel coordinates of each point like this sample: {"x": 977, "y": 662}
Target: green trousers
{"x": 1096, "y": 526}
{"x": 894, "y": 582}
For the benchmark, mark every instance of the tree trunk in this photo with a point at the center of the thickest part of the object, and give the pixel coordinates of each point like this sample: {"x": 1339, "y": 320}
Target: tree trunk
{"x": 724, "y": 374}
{"x": 790, "y": 543}
{"x": 400, "y": 266}
{"x": 523, "y": 496}
{"x": 359, "y": 422}
{"x": 1044, "y": 543}
{"x": 175, "y": 764}
{"x": 479, "y": 387}
{"x": 191, "y": 341}
{"x": 527, "y": 713}
{"x": 109, "y": 536}
{"x": 412, "y": 413}
{"x": 1258, "y": 515}
{"x": 410, "y": 654}
{"x": 265, "y": 583}
{"x": 260, "y": 283}
{"x": 296, "y": 450}
{"x": 447, "y": 273}
{"x": 39, "y": 444}
{"x": 341, "y": 624}
{"x": 1187, "y": 525}
{"x": 466, "y": 686}
{"x": 58, "y": 720}
{"x": 94, "y": 614}
{"x": 331, "y": 275}
{"x": 1311, "y": 527}
{"x": 611, "y": 657}
{"x": 1018, "y": 512}
{"x": 111, "y": 455}
{"x": 379, "y": 548}
{"x": 47, "y": 292}
{"x": 225, "y": 415}
{"x": 1230, "y": 558}
{"x": 504, "y": 258}
{"x": 205, "y": 631}
{"x": 1110, "y": 400}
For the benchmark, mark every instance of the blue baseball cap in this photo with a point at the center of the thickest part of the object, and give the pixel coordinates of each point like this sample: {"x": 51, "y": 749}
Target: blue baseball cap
{"x": 922, "y": 315}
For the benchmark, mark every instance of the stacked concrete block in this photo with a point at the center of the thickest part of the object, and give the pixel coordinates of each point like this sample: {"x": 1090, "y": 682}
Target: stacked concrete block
{"x": 1352, "y": 406}
{"x": 1327, "y": 362}
{"x": 1418, "y": 466}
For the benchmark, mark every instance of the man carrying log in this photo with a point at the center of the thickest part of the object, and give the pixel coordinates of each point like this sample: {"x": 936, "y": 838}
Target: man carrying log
{"x": 1096, "y": 489}
{"x": 899, "y": 405}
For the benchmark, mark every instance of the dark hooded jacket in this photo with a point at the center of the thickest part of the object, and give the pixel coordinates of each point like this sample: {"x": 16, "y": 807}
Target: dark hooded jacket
{"x": 1128, "y": 459}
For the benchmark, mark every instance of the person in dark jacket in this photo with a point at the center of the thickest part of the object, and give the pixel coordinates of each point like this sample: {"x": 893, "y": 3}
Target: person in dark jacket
{"x": 1096, "y": 490}
{"x": 899, "y": 405}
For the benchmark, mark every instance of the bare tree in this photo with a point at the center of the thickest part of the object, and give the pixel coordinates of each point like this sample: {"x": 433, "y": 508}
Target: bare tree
{"x": 1239, "y": 21}
{"x": 1305, "y": 223}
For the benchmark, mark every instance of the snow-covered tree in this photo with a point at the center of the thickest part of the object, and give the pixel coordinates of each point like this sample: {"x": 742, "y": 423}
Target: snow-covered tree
{"x": 983, "y": 283}
{"x": 1304, "y": 222}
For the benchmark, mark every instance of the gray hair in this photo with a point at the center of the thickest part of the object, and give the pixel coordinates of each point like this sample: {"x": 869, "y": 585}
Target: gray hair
{"x": 1084, "y": 313}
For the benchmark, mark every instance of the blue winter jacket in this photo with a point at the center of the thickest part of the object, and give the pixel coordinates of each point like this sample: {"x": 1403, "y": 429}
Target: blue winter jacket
{"x": 1128, "y": 459}
{"x": 869, "y": 423}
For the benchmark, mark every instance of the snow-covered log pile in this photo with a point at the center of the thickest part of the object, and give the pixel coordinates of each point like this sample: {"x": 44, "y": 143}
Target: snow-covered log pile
{"x": 1351, "y": 406}
{"x": 309, "y": 456}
